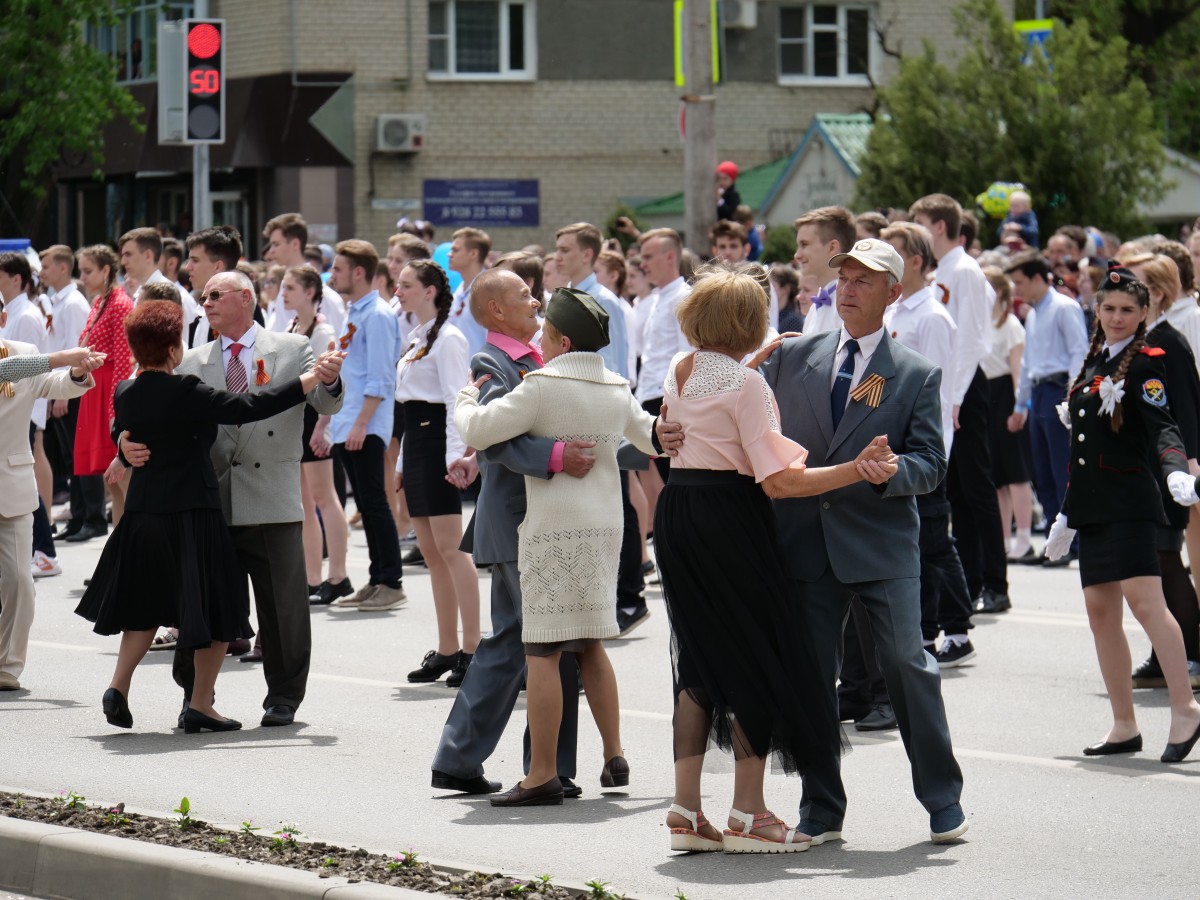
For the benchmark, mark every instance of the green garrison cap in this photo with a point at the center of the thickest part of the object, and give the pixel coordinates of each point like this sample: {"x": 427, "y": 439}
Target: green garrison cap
{"x": 579, "y": 317}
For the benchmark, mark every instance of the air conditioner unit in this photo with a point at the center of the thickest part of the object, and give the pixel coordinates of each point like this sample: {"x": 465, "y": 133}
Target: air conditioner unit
{"x": 399, "y": 133}
{"x": 739, "y": 13}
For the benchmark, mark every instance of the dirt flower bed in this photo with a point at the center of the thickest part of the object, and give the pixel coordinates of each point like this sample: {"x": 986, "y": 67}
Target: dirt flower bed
{"x": 282, "y": 845}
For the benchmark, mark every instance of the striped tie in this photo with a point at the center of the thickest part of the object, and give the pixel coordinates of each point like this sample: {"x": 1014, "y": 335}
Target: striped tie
{"x": 235, "y": 372}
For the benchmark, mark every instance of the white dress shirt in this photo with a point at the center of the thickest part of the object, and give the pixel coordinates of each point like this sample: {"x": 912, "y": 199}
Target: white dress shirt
{"x": 69, "y": 312}
{"x": 1184, "y": 315}
{"x": 434, "y": 377}
{"x": 245, "y": 356}
{"x": 920, "y": 323}
{"x": 867, "y": 346}
{"x": 333, "y": 308}
{"x": 27, "y": 325}
{"x": 969, "y": 298}
{"x": 663, "y": 338}
{"x": 823, "y": 318}
{"x": 155, "y": 277}
{"x": 279, "y": 317}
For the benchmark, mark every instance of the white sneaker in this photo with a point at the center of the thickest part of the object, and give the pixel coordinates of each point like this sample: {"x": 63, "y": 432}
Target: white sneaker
{"x": 44, "y": 566}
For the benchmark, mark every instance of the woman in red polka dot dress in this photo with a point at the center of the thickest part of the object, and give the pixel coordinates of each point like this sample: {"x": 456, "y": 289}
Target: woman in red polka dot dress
{"x": 104, "y": 333}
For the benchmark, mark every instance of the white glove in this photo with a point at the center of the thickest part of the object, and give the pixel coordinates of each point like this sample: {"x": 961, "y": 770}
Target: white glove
{"x": 1183, "y": 488}
{"x": 1059, "y": 540}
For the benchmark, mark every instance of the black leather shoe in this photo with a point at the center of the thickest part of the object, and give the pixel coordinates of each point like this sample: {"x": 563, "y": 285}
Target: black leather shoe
{"x": 1149, "y": 675}
{"x": 992, "y": 602}
{"x": 86, "y": 533}
{"x": 433, "y": 667}
{"x": 1061, "y": 562}
{"x": 279, "y": 714}
{"x": 850, "y": 710}
{"x": 187, "y": 704}
{"x": 240, "y": 647}
{"x": 880, "y": 718}
{"x": 548, "y": 794}
{"x": 328, "y": 592}
{"x": 412, "y": 556}
{"x": 444, "y": 781}
{"x": 570, "y": 789}
{"x": 615, "y": 773}
{"x": 72, "y": 528}
{"x": 194, "y": 722}
{"x": 1108, "y": 748}
{"x": 1178, "y": 752}
{"x": 459, "y": 672}
{"x": 116, "y": 709}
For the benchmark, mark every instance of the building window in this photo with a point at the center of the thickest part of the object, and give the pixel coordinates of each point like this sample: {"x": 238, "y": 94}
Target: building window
{"x": 131, "y": 37}
{"x": 482, "y": 39}
{"x": 825, "y": 42}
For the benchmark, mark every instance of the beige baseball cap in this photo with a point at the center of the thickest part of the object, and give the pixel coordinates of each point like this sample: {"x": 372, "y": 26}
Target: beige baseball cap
{"x": 874, "y": 254}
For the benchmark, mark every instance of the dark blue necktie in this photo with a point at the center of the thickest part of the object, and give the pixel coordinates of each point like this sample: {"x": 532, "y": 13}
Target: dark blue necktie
{"x": 841, "y": 384}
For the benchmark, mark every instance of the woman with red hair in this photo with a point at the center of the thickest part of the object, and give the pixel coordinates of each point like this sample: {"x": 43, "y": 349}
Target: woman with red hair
{"x": 171, "y": 561}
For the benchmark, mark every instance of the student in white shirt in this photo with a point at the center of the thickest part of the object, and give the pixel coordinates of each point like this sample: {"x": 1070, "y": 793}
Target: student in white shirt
{"x": 821, "y": 234}
{"x": 286, "y": 236}
{"x": 432, "y": 370}
{"x": 141, "y": 250}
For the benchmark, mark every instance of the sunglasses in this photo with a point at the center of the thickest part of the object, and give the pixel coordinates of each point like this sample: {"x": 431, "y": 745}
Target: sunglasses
{"x": 215, "y": 296}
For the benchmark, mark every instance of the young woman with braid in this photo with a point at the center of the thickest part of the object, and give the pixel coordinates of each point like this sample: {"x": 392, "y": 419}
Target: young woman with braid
{"x": 301, "y": 291}
{"x": 1161, "y": 277}
{"x": 430, "y": 373}
{"x": 1123, "y": 442}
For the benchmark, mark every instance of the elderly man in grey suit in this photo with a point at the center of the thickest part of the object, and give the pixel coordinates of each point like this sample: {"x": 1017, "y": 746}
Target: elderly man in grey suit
{"x": 836, "y": 391}
{"x": 502, "y": 303}
{"x": 258, "y": 474}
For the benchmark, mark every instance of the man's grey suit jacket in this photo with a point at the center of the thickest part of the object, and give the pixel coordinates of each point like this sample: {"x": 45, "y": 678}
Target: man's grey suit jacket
{"x": 258, "y": 465}
{"x": 865, "y": 532}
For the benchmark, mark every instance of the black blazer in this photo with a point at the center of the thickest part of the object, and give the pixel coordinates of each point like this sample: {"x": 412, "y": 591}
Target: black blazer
{"x": 1115, "y": 476}
{"x": 1183, "y": 387}
{"x": 178, "y": 415}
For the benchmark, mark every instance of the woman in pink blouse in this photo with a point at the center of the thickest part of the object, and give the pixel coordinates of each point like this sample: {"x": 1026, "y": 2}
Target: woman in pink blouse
{"x": 739, "y": 661}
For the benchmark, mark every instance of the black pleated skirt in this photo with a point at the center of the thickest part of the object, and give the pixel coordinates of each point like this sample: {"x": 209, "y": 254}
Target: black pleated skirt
{"x": 737, "y": 650}
{"x": 310, "y": 425}
{"x": 426, "y": 489}
{"x": 1117, "y": 551}
{"x": 1010, "y": 453}
{"x": 175, "y": 569}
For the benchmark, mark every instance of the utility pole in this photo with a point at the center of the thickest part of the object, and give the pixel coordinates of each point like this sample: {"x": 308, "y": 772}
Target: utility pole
{"x": 201, "y": 194}
{"x": 700, "y": 123}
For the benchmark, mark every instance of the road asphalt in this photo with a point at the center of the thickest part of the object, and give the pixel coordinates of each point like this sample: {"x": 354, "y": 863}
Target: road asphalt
{"x": 354, "y": 770}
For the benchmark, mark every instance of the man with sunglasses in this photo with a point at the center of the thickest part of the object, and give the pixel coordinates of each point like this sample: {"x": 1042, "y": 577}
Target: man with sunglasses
{"x": 258, "y": 474}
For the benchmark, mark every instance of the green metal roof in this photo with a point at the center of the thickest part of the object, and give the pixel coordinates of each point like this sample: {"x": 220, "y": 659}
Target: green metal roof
{"x": 753, "y": 186}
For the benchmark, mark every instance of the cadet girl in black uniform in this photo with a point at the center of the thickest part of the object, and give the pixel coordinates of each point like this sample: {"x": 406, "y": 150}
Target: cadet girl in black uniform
{"x": 1113, "y": 502}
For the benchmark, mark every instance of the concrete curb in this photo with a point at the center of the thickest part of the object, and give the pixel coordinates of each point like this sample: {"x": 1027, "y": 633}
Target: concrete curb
{"x": 56, "y": 861}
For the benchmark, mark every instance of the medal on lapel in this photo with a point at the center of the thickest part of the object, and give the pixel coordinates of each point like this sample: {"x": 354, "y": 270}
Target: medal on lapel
{"x": 6, "y": 388}
{"x": 869, "y": 390}
{"x": 348, "y": 336}
{"x": 261, "y": 377}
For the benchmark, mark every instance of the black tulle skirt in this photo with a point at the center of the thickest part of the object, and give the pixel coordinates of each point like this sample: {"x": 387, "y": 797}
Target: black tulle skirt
{"x": 176, "y": 569}
{"x": 736, "y": 648}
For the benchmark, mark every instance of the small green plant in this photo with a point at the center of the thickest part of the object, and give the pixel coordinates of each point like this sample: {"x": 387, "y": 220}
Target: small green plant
{"x": 517, "y": 889}
{"x": 71, "y": 799}
{"x": 116, "y": 815}
{"x": 405, "y": 859}
{"x": 285, "y": 837}
{"x": 600, "y": 891}
{"x": 544, "y": 884}
{"x": 20, "y": 801}
{"x": 248, "y": 827}
{"x": 679, "y": 894}
{"x": 185, "y": 820}
{"x": 221, "y": 840}
{"x": 330, "y": 863}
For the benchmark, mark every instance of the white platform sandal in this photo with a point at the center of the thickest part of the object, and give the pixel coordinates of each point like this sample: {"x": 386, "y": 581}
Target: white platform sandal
{"x": 690, "y": 839}
{"x": 745, "y": 841}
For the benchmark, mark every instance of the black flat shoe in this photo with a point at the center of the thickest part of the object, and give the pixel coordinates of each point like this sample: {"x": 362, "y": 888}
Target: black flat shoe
{"x": 444, "y": 781}
{"x": 433, "y": 667}
{"x": 1108, "y": 748}
{"x": 548, "y": 794}
{"x": 615, "y": 773}
{"x": 1178, "y": 752}
{"x": 194, "y": 722}
{"x": 116, "y": 709}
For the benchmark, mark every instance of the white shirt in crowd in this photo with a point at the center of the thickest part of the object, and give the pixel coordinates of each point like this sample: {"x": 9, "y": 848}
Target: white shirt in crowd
{"x": 69, "y": 312}
{"x": 920, "y": 323}
{"x": 662, "y": 338}
{"x": 434, "y": 375}
{"x": 278, "y": 317}
{"x": 333, "y": 308}
{"x": 27, "y": 324}
{"x": 823, "y": 318}
{"x": 1004, "y": 338}
{"x": 156, "y": 277}
{"x": 969, "y": 298}
{"x": 1184, "y": 315}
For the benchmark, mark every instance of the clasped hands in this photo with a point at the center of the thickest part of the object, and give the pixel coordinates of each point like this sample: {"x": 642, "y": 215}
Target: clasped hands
{"x": 328, "y": 366}
{"x": 876, "y": 463}
{"x": 82, "y": 360}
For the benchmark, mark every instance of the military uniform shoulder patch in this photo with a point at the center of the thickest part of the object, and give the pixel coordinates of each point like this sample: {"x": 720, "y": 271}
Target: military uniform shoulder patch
{"x": 1154, "y": 392}
{"x": 1153, "y": 351}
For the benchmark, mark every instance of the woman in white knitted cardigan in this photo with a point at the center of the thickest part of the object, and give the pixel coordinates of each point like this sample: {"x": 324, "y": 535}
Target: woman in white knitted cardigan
{"x": 570, "y": 541}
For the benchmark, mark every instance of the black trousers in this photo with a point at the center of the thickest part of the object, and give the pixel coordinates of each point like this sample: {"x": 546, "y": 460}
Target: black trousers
{"x": 860, "y": 678}
{"x": 631, "y": 583}
{"x": 273, "y": 557}
{"x": 364, "y": 468}
{"x": 974, "y": 509}
{"x": 43, "y": 537}
{"x": 946, "y": 605}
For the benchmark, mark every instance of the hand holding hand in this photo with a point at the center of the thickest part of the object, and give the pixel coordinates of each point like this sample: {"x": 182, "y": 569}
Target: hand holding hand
{"x": 1182, "y": 486}
{"x": 329, "y": 365}
{"x": 1059, "y": 540}
{"x": 578, "y": 458}
{"x": 463, "y": 471}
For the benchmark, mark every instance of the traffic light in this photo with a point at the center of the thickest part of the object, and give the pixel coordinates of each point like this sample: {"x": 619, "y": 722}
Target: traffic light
{"x": 205, "y": 81}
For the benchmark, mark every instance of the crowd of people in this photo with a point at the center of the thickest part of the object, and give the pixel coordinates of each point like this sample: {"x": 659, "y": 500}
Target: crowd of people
{"x": 892, "y": 387}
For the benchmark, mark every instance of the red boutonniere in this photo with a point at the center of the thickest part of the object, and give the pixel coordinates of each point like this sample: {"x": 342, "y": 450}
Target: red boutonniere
{"x": 261, "y": 377}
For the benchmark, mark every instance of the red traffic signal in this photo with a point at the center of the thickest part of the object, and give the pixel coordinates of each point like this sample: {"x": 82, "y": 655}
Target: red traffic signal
{"x": 205, "y": 81}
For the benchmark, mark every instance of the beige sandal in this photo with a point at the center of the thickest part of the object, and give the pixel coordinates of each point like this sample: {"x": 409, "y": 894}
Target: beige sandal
{"x": 690, "y": 839}
{"x": 745, "y": 841}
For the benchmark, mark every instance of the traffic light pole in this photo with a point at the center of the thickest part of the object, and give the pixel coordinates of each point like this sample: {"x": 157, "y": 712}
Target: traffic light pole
{"x": 201, "y": 193}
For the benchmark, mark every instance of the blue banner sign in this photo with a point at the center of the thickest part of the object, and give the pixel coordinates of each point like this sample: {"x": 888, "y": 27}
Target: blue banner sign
{"x": 482, "y": 203}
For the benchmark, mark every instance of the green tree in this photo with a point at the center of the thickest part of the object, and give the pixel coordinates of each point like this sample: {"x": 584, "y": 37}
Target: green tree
{"x": 1074, "y": 126}
{"x": 57, "y": 93}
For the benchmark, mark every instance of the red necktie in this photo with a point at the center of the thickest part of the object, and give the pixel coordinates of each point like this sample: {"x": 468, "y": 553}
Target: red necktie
{"x": 235, "y": 372}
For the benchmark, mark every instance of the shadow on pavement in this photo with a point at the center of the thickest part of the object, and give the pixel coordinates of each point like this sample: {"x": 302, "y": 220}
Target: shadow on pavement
{"x": 436, "y": 690}
{"x": 1134, "y": 766}
{"x": 836, "y": 860}
{"x": 23, "y": 700}
{"x": 251, "y": 737}
{"x": 586, "y": 810}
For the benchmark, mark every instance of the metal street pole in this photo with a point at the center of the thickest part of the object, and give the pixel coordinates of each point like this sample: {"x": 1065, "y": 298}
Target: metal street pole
{"x": 201, "y": 194}
{"x": 700, "y": 139}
